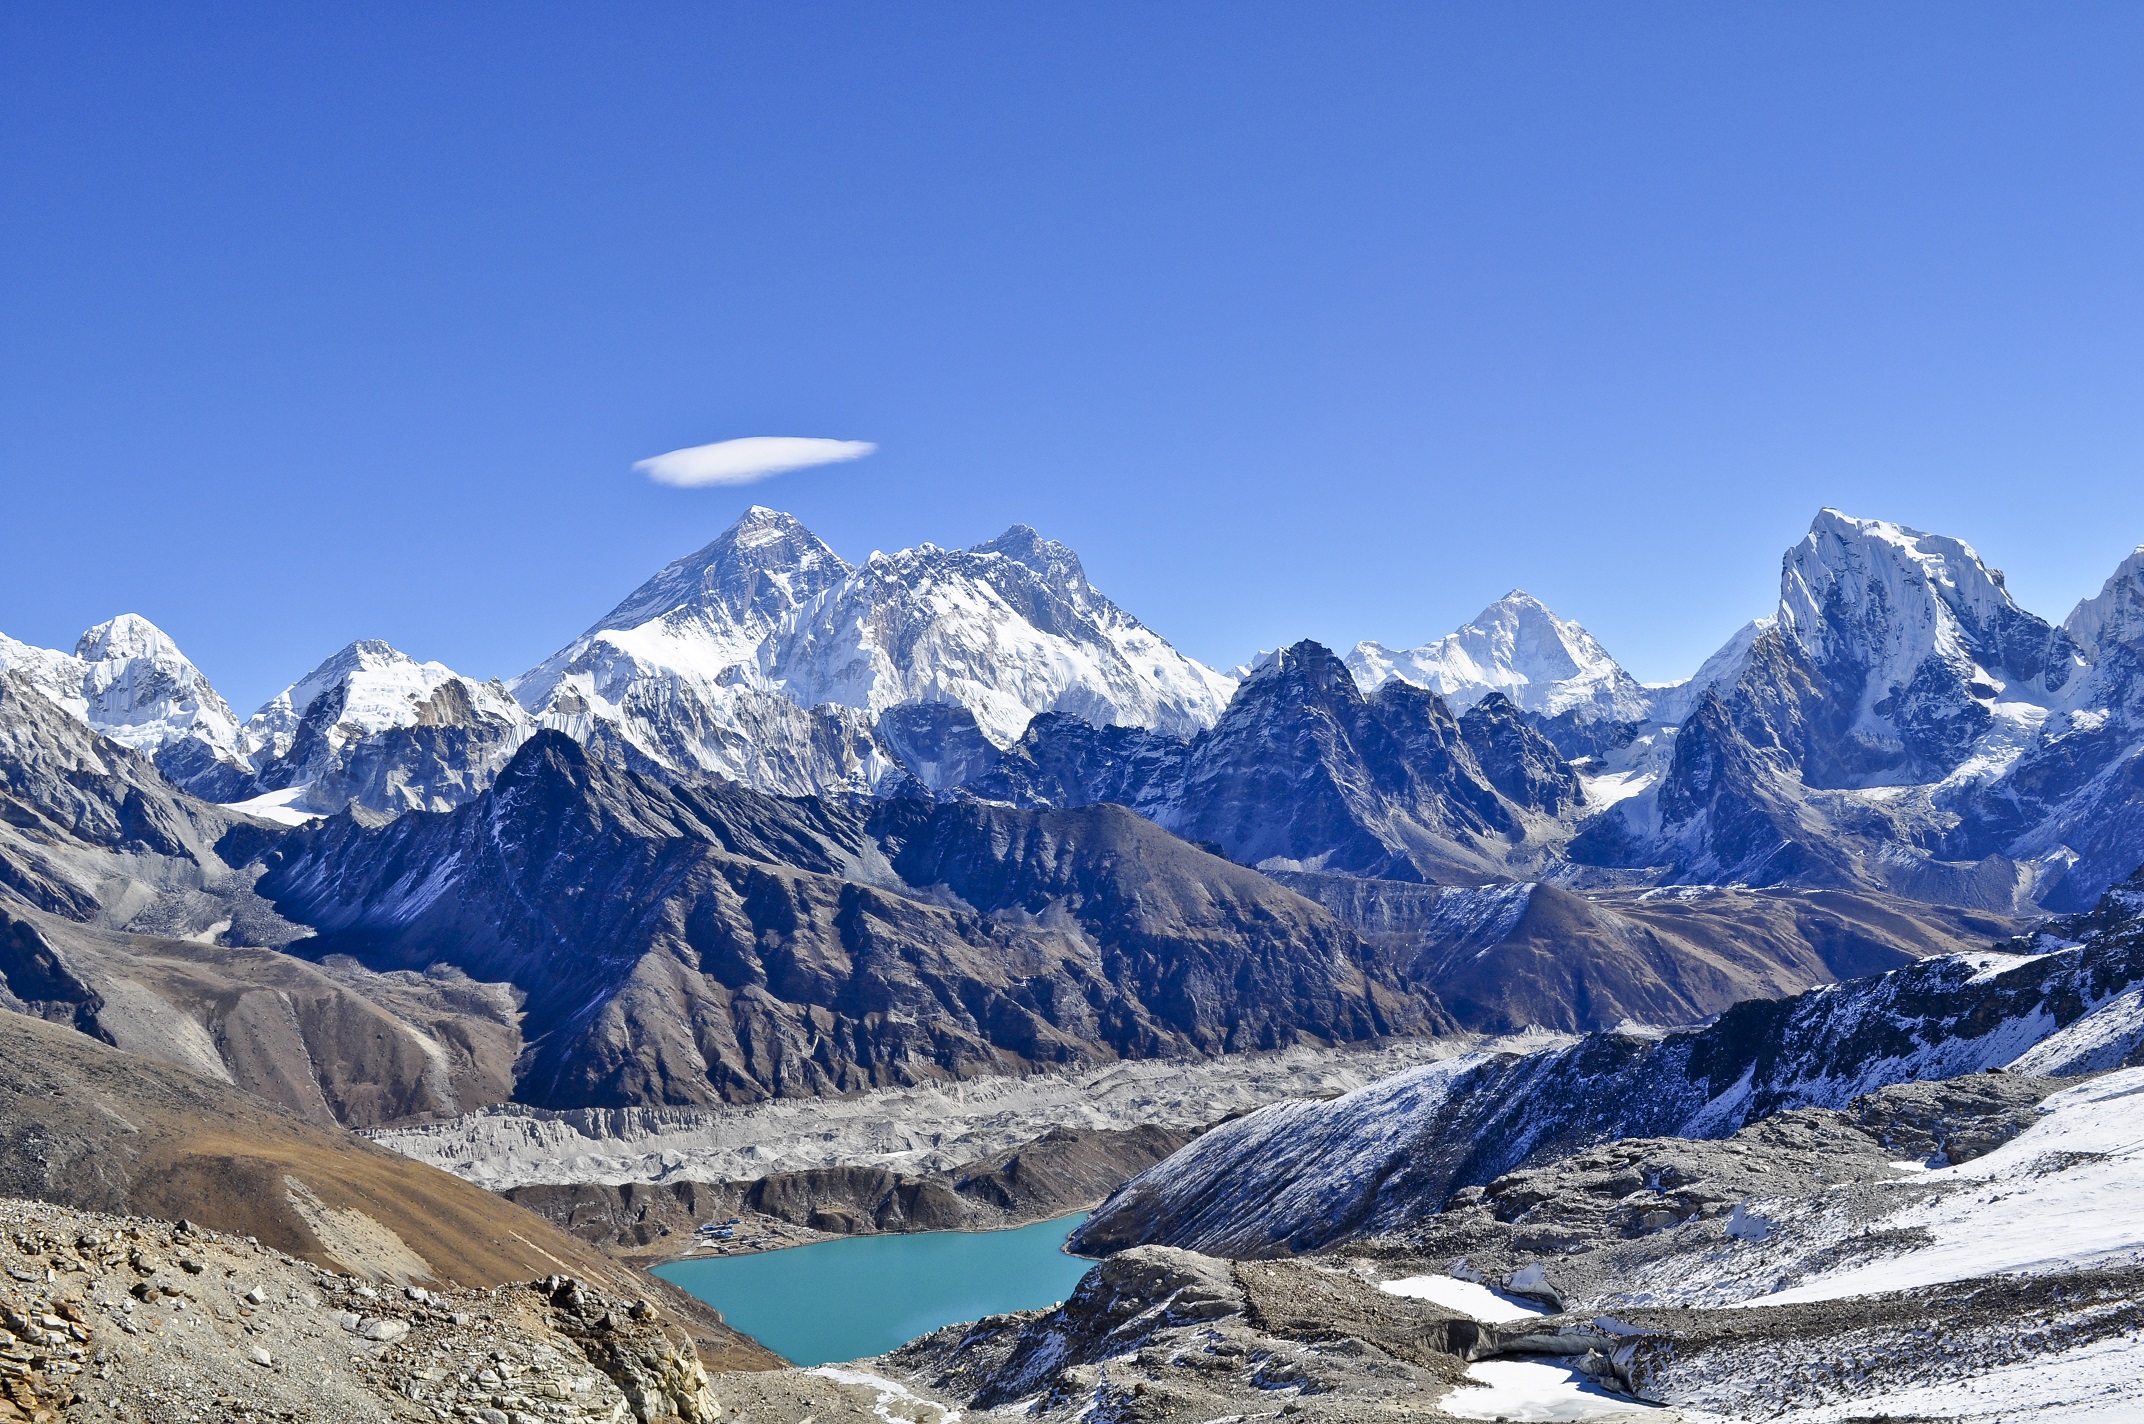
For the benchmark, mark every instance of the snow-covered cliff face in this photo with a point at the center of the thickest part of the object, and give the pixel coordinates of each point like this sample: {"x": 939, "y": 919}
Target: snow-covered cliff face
{"x": 1924, "y": 651}
{"x": 767, "y": 658}
{"x": 2115, "y": 616}
{"x": 129, "y": 681}
{"x": 375, "y": 726}
{"x": 1517, "y": 646}
{"x": 1008, "y": 629}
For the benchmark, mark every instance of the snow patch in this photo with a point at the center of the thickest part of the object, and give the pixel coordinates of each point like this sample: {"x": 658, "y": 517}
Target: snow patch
{"x": 1469, "y": 1298}
{"x": 1531, "y": 1390}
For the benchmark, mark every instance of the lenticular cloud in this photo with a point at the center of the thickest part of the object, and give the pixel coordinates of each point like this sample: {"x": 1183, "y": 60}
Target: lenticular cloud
{"x": 740, "y": 462}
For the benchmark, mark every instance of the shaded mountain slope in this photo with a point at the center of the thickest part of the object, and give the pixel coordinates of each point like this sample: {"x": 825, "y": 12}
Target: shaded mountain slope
{"x": 332, "y": 1043}
{"x": 1305, "y": 771}
{"x": 1506, "y": 957}
{"x": 693, "y": 941}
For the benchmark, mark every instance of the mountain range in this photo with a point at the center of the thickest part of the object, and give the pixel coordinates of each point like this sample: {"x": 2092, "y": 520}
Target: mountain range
{"x": 1897, "y": 724}
{"x": 955, "y": 812}
{"x": 784, "y": 827}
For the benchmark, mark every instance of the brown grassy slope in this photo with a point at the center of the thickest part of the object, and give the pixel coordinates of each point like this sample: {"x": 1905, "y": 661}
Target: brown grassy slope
{"x": 87, "y": 1126}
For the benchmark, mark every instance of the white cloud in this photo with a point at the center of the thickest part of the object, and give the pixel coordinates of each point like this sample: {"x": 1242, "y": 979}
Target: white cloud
{"x": 740, "y": 462}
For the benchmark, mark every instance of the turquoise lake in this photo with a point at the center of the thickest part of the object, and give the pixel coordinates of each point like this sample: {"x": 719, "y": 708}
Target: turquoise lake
{"x": 863, "y": 1295}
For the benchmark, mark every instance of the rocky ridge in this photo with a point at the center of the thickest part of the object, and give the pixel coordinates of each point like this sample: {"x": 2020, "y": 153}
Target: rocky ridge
{"x": 1304, "y": 1175}
{"x": 754, "y": 945}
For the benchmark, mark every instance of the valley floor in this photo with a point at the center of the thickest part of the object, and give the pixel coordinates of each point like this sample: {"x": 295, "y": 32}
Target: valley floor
{"x": 926, "y": 1128}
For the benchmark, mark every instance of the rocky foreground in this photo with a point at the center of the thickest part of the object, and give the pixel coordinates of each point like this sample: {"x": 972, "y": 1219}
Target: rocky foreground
{"x": 132, "y": 1319}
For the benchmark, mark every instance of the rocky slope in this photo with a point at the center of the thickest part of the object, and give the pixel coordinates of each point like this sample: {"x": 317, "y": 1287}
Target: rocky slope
{"x": 1889, "y": 1259}
{"x": 695, "y": 942}
{"x": 1303, "y": 1175}
{"x": 88, "y": 1127}
{"x": 121, "y": 1317}
{"x": 1504, "y": 958}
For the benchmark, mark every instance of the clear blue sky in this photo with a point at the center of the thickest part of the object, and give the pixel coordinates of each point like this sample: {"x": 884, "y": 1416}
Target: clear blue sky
{"x": 324, "y": 321}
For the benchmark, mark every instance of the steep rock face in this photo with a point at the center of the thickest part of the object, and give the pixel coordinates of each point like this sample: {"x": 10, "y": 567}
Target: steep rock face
{"x": 1518, "y": 761}
{"x": 1921, "y": 649}
{"x": 1304, "y": 770}
{"x": 1301, "y": 1175}
{"x": 767, "y": 658}
{"x": 127, "y": 680}
{"x": 698, "y": 942}
{"x": 374, "y": 726}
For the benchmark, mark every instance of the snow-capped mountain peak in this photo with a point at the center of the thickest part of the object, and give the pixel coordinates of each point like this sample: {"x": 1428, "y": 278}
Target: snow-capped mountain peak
{"x": 702, "y": 616}
{"x": 377, "y": 687}
{"x": 1519, "y": 647}
{"x": 1008, "y": 629}
{"x": 1055, "y": 563}
{"x": 2115, "y": 614}
{"x": 128, "y": 636}
{"x": 1938, "y": 668}
{"x": 750, "y": 576}
{"x": 129, "y": 681}
{"x": 374, "y": 724}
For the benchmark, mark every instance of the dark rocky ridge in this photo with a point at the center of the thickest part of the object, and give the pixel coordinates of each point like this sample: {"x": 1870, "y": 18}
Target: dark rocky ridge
{"x": 1305, "y": 770}
{"x": 694, "y": 942}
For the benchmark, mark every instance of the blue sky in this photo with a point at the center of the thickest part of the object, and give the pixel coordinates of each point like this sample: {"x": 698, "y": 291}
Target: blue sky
{"x": 328, "y": 321}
